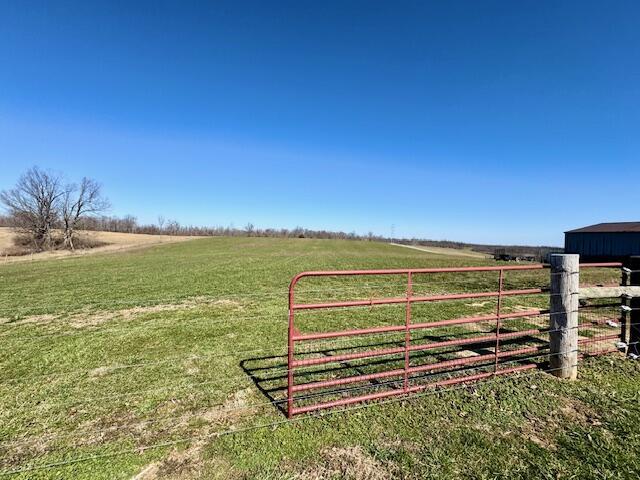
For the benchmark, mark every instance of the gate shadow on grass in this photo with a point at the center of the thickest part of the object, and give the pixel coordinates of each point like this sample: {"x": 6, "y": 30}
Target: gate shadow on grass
{"x": 269, "y": 373}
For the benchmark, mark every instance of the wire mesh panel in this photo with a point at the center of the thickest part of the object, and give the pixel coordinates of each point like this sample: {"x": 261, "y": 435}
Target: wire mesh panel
{"x": 602, "y": 324}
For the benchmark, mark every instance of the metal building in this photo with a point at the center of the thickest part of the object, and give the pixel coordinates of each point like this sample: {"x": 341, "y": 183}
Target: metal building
{"x": 604, "y": 241}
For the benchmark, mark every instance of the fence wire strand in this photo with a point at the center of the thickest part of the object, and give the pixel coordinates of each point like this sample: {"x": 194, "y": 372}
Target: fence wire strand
{"x": 402, "y": 398}
{"x": 465, "y": 368}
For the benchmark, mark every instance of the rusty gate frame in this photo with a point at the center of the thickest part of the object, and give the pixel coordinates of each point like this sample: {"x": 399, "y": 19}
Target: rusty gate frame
{"x": 294, "y": 336}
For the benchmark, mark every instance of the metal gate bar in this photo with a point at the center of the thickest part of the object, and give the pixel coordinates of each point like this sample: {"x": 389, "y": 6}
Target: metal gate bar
{"x": 414, "y": 348}
{"x": 416, "y": 326}
{"x": 413, "y": 389}
{"x": 408, "y": 299}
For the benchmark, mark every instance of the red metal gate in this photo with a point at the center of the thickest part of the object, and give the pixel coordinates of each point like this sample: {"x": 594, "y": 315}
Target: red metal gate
{"x": 408, "y": 299}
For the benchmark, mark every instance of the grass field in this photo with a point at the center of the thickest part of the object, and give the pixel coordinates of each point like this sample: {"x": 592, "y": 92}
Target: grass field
{"x": 147, "y": 364}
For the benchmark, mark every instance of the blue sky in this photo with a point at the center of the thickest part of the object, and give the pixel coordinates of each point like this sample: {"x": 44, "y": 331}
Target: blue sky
{"x": 481, "y": 121}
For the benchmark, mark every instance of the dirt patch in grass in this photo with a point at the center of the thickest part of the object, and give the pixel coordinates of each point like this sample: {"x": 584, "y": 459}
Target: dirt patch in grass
{"x": 149, "y": 472}
{"x": 519, "y": 308}
{"x": 100, "y": 372}
{"x": 191, "y": 366}
{"x": 92, "y": 432}
{"x": 95, "y": 319}
{"x": 543, "y": 431}
{"x": 231, "y": 411}
{"x": 478, "y": 304}
{"x": 12, "y": 456}
{"x": 466, "y": 353}
{"x": 92, "y": 319}
{"x": 169, "y": 418}
{"x": 186, "y": 464}
{"x": 179, "y": 464}
{"x": 46, "y": 318}
{"x": 349, "y": 463}
{"x": 189, "y": 462}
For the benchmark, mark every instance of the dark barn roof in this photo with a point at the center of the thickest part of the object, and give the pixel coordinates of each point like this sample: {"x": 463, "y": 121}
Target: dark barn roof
{"x": 620, "y": 227}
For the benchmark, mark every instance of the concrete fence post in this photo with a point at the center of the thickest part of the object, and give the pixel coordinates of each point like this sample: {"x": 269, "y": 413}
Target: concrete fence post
{"x": 563, "y": 315}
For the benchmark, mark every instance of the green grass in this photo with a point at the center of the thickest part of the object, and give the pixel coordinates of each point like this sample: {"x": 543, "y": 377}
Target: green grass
{"x": 105, "y": 355}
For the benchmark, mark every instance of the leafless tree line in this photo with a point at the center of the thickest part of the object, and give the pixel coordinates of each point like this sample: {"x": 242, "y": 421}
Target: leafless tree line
{"x": 129, "y": 224}
{"x": 41, "y": 202}
{"x": 163, "y": 226}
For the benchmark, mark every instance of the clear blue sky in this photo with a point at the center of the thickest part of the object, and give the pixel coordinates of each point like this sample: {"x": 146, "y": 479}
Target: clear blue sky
{"x": 476, "y": 121}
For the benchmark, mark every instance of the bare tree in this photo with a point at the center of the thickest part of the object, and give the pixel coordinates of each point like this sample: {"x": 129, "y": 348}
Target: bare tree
{"x": 129, "y": 223}
{"x": 173, "y": 227}
{"x": 79, "y": 201}
{"x": 34, "y": 203}
{"x": 161, "y": 221}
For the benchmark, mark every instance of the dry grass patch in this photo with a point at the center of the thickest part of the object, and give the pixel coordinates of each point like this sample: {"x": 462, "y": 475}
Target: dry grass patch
{"x": 35, "y": 319}
{"x": 99, "y": 318}
{"x": 180, "y": 463}
{"x": 96, "y": 242}
{"x": 186, "y": 464}
{"x": 93, "y": 319}
{"x": 232, "y": 410}
{"x": 543, "y": 430}
{"x": 189, "y": 462}
{"x": 349, "y": 463}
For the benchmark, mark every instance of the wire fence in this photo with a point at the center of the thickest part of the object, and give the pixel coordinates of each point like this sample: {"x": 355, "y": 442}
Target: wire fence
{"x": 233, "y": 431}
{"x": 602, "y": 328}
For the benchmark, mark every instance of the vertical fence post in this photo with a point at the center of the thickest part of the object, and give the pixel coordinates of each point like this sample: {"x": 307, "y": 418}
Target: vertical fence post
{"x": 407, "y": 331}
{"x": 290, "y": 351}
{"x": 498, "y": 313}
{"x": 634, "y": 315}
{"x": 563, "y": 315}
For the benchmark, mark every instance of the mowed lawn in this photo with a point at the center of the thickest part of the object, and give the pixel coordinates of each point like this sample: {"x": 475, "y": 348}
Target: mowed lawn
{"x": 169, "y": 362}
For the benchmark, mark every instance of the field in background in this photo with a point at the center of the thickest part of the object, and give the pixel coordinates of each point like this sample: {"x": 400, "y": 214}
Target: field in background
{"x": 6, "y": 238}
{"x": 114, "y": 242}
{"x": 455, "y": 252}
{"x": 148, "y": 363}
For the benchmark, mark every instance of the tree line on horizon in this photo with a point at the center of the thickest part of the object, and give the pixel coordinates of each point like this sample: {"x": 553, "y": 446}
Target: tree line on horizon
{"x": 41, "y": 204}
